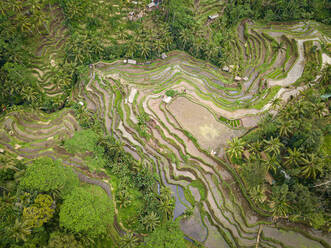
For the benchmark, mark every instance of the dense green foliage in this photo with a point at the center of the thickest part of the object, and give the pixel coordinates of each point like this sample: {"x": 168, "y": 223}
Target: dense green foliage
{"x": 290, "y": 146}
{"x": 82, "y": 141}
{"x": 278, "y": 10}
{"x": 87, "y": 211}
{"x": 166, "y": 236}
{"x": 131, "y": 175}
{"x": 44, "y": 205}
{"x": 47, "y": 175}
{"x": 91, "y": 35}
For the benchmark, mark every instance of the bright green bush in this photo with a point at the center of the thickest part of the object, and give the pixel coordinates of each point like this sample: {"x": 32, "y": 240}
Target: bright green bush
{"x": 171, "y": 93}
{"x": 45, "y": 175}
{"x": 88, "y": 211}
{"x": 167, "y": 236}
{"x": 82, "y": 141}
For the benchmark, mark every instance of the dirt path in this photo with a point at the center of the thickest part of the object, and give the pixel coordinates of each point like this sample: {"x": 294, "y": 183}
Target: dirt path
{"x": 295, "y": 73}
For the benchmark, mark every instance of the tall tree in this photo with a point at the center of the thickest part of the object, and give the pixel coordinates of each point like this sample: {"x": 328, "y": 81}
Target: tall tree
{"x": 273, "y": 145}
{"x": 87, "y": 210}
{"x": 313, "y": 165}
{"x": 151, "y": 221}
{"x": 294, "y": 157}
{"x": 236, "y": 148}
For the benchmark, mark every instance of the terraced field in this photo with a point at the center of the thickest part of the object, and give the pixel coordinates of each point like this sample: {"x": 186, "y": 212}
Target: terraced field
{"x": 49, "y": 53}
{"x": 205, "y": 8}
{"x": 184, "y": 137}
{"x": 28, "y": 135}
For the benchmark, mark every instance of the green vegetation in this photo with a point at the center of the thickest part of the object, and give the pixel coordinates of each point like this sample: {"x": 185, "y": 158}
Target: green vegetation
{"x": 82, "y": 141}
{"x": 83, "y": 163}
{"x": 47, "y": 175}
{"x": 291, "y": 146}
{"x": 166, "y": 236}
{"x": 171, "y": 93}
{"x": 197, "y": 184}
{"x": 87, "y": 211}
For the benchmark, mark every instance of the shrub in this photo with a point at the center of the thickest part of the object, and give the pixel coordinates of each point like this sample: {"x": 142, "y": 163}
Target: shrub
{"x": 46, "y": 175}
{"x": 87, "y": 211}
{"x": 171, "y": 93}
{"x": 82, "y": 141}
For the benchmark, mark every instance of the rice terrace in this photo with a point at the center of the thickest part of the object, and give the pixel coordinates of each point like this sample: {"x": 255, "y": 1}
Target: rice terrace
{"x": 173, "y": 123}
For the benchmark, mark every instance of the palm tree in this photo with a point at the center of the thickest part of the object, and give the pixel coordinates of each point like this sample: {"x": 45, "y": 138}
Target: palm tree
{"x": 236, "y": 148}
{"x": 34, "y": 6}
{"x": 29, "y": 94}
{"x": 325, "y": 75}
{"x": 123, "y": 198}
{"x": 165, "y": 193}
{"x": 167, "y": 206}
{"x": 150, "y": 221}
{"x": 129, "y": 241}
{"x": 185, "y": 36}
{"x": 24, "y": 23}
{"x": 16, "y": 6}
{"x": 3, "y": 7}
{"x": 121, "y": 33}
{"x": 278, "y": 46}
{"x": 138, "y": 165}
{"x": 38, "y": 19}
{"x": 277, "y": 102}
{"x": 286, "y": 128}
{"x": 211, "y": 51}
{"x": 159, "y": 46}
{"x": 143, "y": 118}
{"x": 279, "y": 204}
{"x": 197, "y": 46}
{"x": 303, "y": 108}
{"x": 313, "y": 165}
{"x": 294, "y": 157}
{"x": 271, "y": 162}
{"x": 255, "y": 147}
{"x": 257, "y": 194}
{"x": 168, "y": 40}
{"x": 145, "y": 49}
{"x": 20, "y": 231}
{"x": 320, "y": 109}
{"x": 280, "y": 208}
{"x": 8, "y": 163}
{"x": 131, "y": 48}
{"x": 288, "y": 112}
{"x": 273, "y": 145}
{"x": 114, "y": 148}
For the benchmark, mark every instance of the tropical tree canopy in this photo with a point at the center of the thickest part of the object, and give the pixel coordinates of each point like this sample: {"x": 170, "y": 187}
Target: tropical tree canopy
{"x": 166, "y": 236}
{"x": 47, "y": 175}
{"x": 87, "y": 210}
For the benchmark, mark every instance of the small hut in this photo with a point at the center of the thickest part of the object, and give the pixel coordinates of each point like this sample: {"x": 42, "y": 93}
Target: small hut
{"x": 166, "y": 99}
{"x": 132, "y": 62}
{"x": 151, "y": 5}
{"x": 163, "y": 56}
{"x": 213, "y": 17}
{"x": 226, "y": 68}
{"x": 237, "y": 78}
{"x": 131, "y": 16}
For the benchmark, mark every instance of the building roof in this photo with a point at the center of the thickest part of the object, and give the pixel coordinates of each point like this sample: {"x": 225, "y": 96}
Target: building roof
{"x": 166, "y": 99}
{"x": 225, "y": 68}
{"x": 151, "y": 5}
{"x": 237, "y": 78}
{"x": 132, "y": 62}
{"x": 212, "y": 17}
